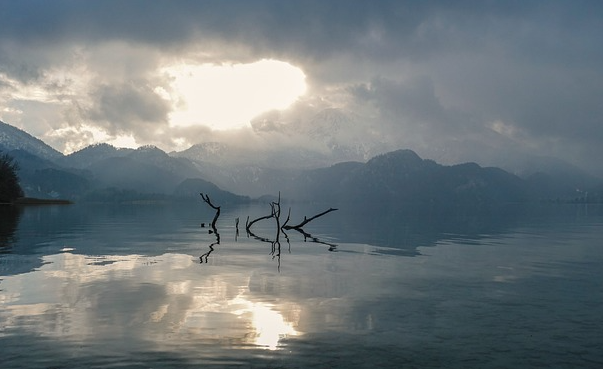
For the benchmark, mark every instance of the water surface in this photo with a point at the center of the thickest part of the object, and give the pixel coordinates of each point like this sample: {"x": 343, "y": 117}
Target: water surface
{"x": 146, "y": 286}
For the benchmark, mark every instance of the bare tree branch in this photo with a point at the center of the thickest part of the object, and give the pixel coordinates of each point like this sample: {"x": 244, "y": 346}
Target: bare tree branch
{"x": 287, "y": 220}
{"x": 275, "y": 212}
{"x": 249, "y": 224}
{"x": 308, "y": 220}
{"x": 205, "y": 198}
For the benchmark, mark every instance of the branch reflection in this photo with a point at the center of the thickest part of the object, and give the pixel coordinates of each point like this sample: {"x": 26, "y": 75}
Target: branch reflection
{"x": 203, "y": 258}
{"x": 274, "y": 244}
{"x": 310, "y": 238}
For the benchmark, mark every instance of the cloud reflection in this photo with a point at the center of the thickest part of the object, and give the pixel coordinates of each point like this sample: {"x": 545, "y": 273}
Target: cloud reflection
{"x": 165, "y": 300}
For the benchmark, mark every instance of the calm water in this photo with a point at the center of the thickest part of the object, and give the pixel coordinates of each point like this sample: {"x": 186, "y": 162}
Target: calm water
{"x": 147, "y": 287}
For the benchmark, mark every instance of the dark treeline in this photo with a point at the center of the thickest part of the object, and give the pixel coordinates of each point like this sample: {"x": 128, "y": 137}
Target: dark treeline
{"x": 10, "y": 189}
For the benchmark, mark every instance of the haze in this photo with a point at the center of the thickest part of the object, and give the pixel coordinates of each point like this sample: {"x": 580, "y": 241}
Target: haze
{"x": 489, "y": 82}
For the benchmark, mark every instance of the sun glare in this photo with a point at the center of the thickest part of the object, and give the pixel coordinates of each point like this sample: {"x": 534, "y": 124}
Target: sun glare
{"x": 229, "y": 96}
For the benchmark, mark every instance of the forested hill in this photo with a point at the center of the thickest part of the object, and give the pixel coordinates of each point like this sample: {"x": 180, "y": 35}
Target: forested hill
{"x": 403, "y": 177}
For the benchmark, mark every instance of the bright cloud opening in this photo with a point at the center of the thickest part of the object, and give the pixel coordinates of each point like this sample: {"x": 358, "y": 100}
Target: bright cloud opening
{"x": 229, "y": 96}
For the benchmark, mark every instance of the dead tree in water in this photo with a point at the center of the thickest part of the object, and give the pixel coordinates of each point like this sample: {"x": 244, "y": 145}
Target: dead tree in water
{"x": 274, "y": 213}
{"x": 213, "y": 230}
{"x": 306, "y": 220}
{"x": 217, "y": 208}
{"x": 248, "y": 224}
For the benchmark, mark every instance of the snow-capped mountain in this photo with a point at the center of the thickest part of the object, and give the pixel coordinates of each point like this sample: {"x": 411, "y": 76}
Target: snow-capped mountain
{"x": 92, "y": 154}
{"x": 98, "y": 172}
{"x": 228, "y": 155}
{"x": 216, "y": 153}
{"x": 347, "y": 136}
{"x": 13, "y": 138}
{"x": 328, "y": 137}
{"x": 103, "y": 173}
{"x": 338, "y": 135}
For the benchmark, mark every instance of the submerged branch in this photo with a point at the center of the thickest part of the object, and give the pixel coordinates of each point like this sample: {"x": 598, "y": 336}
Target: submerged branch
{"x": 307, "y": 220}
{"x": 308, "y": 236}
{"x": 287, "y": 220}
{"x": 275, "y": 212}
{"x": 206, "y": 199}
{"x": 249, "y": 224}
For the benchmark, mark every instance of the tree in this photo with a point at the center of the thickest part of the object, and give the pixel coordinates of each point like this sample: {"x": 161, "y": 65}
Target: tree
{"x": 10, "y": 189}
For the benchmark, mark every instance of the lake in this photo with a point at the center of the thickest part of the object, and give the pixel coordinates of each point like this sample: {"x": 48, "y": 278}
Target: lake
{"x": 146, "y": 286}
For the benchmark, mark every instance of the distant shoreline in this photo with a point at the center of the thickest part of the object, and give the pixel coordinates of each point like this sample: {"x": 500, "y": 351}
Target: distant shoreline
{"x": 36, "y": 201}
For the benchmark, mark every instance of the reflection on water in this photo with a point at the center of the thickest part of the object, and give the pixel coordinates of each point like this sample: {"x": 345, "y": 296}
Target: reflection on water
{"x": 78, "y": 297}
{"x": 9, "y": 219}
{"x": 141, "y": 287}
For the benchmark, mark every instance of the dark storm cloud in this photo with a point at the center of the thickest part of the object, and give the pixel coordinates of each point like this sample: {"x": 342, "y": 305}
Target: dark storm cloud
{"x": 530, "y": 31}
{"x": 317, "y": 28}
{"x": 412, "y": 102}
{"x": 127, "y": 108}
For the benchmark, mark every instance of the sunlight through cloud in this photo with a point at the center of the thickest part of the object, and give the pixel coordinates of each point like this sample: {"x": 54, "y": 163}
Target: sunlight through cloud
{"x": 230, "y": 95}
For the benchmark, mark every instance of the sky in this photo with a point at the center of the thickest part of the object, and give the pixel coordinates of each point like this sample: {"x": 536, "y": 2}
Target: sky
{"x": 439, "y": 77}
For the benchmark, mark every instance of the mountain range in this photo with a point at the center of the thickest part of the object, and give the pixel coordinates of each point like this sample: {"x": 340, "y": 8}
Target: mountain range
{"x": 229, "y": 173}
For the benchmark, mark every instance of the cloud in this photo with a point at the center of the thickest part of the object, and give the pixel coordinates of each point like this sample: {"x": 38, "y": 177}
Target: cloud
{"x": 127, "y": 107}
{"x": 424, "y": 73}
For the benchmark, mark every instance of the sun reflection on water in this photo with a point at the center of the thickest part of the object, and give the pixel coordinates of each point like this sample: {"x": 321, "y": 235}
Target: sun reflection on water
{"x": 269, "y": 325}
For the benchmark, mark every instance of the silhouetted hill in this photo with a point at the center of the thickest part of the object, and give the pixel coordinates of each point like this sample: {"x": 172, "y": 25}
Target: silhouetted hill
{"x": 43, "y": 178}
{"x": 92, "y": 154}
{"x": 180, "y": 168}
{"x": 231, "y": 156}
{"x": 398, "y": 177}
{"x": 56, "y": 183}
{"x": 403, "y": 178}
{"x": 131, "y": 174}
{"x": 149, "y": 170}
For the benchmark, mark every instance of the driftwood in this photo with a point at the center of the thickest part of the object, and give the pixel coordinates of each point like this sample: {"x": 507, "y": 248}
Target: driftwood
{"x": 274, "y": 213}
{"x": 306, "y": 220}
{"x": 214, "y": 230}
{"x": 248, "y": 224}
{"x": 216, "y": 208}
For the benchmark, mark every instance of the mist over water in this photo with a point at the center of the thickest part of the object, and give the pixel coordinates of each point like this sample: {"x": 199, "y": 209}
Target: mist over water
{"x": 148, "y": 286}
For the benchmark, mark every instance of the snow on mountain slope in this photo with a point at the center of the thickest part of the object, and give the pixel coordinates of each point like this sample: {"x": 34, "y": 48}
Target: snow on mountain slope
{"x": 13, "y": 138}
